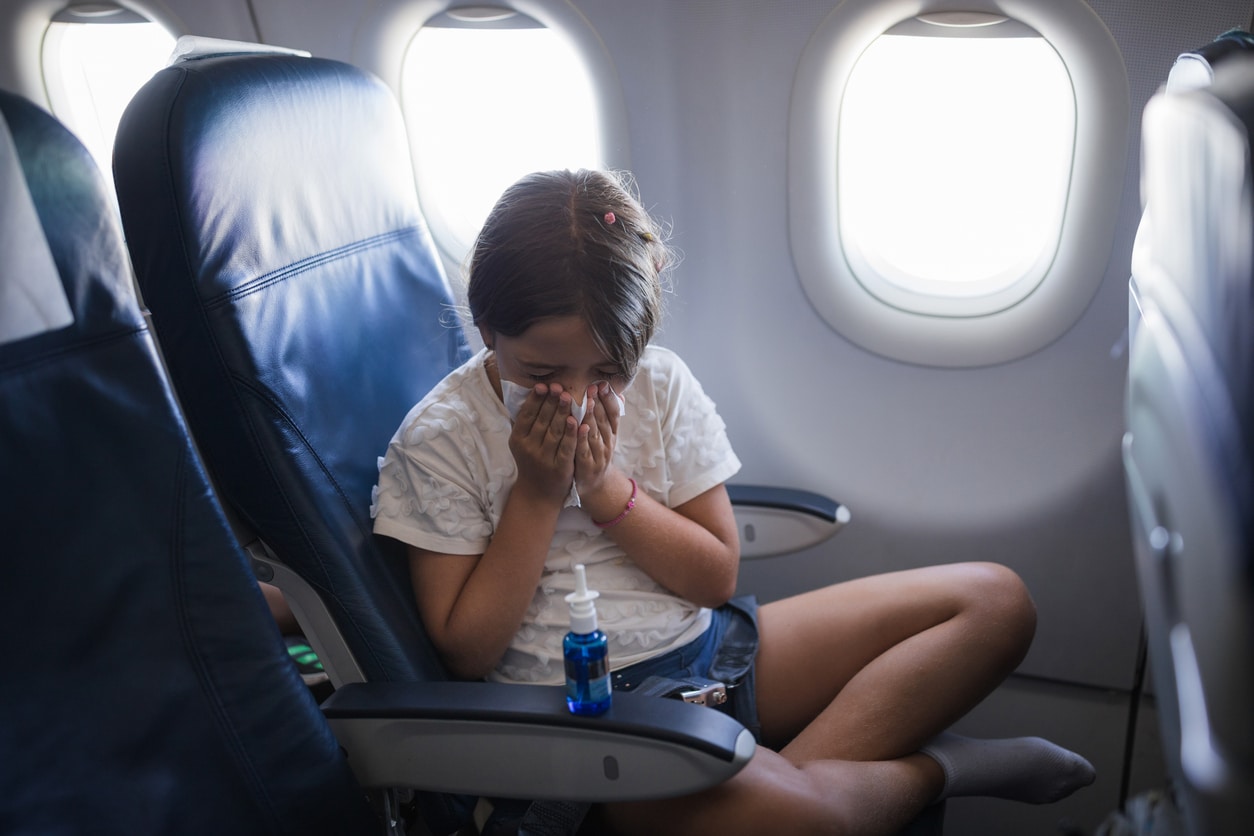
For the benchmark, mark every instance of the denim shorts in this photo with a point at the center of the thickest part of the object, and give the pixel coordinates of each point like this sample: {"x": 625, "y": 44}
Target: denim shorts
{"x": 725, "y": 651}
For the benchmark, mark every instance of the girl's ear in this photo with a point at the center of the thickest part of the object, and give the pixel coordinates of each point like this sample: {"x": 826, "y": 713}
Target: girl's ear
{"x": 486, "y": 336}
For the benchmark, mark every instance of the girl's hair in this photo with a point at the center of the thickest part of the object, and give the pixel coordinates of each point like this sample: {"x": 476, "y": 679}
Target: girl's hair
{"x": 561, "y": 243}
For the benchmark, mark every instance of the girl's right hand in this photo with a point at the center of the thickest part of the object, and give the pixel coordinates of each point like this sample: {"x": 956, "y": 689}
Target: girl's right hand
{"x": 543, "y": 442}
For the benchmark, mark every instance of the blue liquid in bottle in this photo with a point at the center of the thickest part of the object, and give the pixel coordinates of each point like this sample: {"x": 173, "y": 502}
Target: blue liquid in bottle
{"x": 586, "y": 651}
{"x": 587, "y": 673}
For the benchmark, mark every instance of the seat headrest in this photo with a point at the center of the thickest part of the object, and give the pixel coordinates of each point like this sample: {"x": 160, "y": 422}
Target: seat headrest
{"x": 194, "y": 47}
{"x": 1196, "y": 68}
{"x": 33, "y": 301}
{"x": 61, "y": 237}
{"x": 1198, "y": 260}
{"x": 262, "y": 137}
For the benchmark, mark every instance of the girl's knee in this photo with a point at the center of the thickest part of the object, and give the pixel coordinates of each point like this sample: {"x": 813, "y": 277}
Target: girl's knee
{"x": 1002, "y": 599}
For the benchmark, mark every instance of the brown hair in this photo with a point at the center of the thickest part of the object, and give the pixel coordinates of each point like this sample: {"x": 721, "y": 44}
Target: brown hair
{"x": 561, "y": 243}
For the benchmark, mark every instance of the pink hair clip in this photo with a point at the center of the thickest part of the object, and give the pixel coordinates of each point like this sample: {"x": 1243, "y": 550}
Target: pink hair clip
{"x": 609, "y": 218}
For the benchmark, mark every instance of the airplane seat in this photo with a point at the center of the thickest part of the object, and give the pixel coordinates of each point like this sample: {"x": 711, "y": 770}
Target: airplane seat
{"x": 1192, "y": 70}
{"x": 146, "y": 688}
{"x": 299, "y": 303}
{"x": 272, "y": 216}
{"x": 1189, "y": 444}
{"x": 1196, "y": 68}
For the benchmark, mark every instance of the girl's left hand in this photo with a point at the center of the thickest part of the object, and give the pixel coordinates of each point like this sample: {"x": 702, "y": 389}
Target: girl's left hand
{"x": 598, "y": 432}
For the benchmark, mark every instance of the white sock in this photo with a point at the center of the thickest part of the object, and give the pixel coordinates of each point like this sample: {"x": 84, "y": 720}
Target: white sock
{"x": 1018, "y": 768}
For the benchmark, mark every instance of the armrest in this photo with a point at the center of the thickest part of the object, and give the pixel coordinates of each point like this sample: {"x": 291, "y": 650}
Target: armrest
{"x": 311, "y": 611}
{"x": 520, "y": 741}
{"x": 775, "y": 521}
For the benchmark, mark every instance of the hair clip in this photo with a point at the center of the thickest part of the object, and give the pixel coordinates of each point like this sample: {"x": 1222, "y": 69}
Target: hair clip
{"x": 609, "y": 218}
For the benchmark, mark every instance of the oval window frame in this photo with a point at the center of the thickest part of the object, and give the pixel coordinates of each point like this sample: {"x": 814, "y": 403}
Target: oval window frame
{"x": 952, "y": 338}
{"x": 378, "y": 48}
{"x": 874, "y": 267}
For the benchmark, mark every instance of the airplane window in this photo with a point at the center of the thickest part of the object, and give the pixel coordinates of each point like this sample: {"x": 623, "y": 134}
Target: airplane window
{"x": 954, "y": 176}
{"x": 491, "y": 94}
{"x": 95, "y": 57}
{"x": 954, "y": 157}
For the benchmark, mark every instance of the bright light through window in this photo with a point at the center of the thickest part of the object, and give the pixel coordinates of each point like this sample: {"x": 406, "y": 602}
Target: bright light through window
{"x": 96, "y": 68}
{"x": 954, "y": 162}
{"x": 486, "y": 106}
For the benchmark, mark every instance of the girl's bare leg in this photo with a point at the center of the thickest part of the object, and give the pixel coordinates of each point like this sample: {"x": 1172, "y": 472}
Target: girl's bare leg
{"x": 852, "y": 680}
{"x": 773, "y": 795}
{"x": 874, "y": 668}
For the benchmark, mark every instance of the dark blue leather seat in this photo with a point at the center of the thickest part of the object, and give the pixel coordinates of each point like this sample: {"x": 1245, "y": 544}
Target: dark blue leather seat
{"x": 276, "y": 245}
{"x": 145, "y": 688}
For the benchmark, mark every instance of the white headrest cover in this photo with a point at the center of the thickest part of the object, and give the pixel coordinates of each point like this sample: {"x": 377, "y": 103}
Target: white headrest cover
{"x": 32, "y": 299}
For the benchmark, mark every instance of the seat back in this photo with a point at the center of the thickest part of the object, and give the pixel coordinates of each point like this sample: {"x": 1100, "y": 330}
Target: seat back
{"x": 1190, "y": 438}
{"x": 1192, "y": 70}
{"x": 271, "y": 212}
{"x": 146, "y": 688}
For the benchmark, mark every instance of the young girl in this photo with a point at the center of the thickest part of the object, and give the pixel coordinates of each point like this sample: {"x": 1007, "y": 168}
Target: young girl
{"x": 569, "y": 439}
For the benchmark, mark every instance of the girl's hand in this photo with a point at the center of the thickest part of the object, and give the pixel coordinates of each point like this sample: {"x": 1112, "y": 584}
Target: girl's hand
{"x": 597, "y": 435}
{"x": 543, "y": 442}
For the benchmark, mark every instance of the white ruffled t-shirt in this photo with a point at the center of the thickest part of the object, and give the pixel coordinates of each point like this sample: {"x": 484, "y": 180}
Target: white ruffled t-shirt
{"x": 448, "y": 471}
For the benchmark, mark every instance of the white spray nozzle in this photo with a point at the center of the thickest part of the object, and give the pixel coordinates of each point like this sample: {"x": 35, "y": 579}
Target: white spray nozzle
{"x": 583, "y": 613}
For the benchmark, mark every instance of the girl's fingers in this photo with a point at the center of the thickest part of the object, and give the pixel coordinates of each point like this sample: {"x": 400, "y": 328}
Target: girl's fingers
{"x": 605, "y": 409}
{"x": 596, "y": 441}
{"x": 545, "y": 433}
{"x": 550, "y": 408}
{"x": 609, "y": 405}
{"x": 584, "y": 457}
{"x": 572, "y": 440}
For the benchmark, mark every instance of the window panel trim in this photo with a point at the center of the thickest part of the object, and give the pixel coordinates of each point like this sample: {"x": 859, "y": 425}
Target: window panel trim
{"x": 1100, "y": 84}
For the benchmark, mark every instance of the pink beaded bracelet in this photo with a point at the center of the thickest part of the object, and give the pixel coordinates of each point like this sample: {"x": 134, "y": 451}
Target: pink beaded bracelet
{"x": 631, "y": 503}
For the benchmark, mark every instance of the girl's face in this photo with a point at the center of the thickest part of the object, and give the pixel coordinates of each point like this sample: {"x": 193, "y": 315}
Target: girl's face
{"x": 555, "y": 350}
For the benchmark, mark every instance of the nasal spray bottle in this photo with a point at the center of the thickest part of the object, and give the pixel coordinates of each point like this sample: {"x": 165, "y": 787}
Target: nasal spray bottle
{"x": 587, "y": 653}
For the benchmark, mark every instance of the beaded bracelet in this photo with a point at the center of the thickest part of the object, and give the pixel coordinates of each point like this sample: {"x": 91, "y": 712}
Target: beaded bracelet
{"x": 631, "y": 503}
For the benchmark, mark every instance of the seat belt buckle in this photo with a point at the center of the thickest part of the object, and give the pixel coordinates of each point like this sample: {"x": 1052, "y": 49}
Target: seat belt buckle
{"x": 709, "y": 693}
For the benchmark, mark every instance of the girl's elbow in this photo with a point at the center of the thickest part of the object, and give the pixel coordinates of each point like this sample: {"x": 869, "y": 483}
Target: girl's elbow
{"x": 731, "y": 574}
{"x": 713, "y": 601}
{"x": 461, "y": 662}
{"x": 719, "y": 588}
{"x": 466, "y": 668}
{"x": 726, "y": 593}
